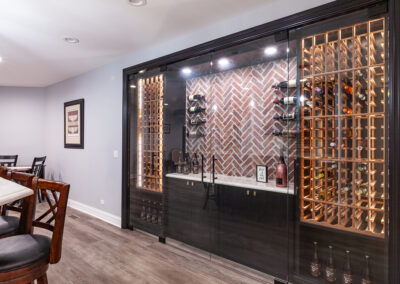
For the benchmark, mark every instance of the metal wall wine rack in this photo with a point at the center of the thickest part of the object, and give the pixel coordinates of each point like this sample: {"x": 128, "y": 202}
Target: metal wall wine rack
{"x": 343, "y": 129}
{"x": 150, "y": 133}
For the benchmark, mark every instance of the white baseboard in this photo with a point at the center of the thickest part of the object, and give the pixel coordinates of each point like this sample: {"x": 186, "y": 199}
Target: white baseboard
{"x": 100, "y": 214}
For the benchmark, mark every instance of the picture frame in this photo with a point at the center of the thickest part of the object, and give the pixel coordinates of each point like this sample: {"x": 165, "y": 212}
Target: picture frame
{"x": 261, "y": 173}
{"x": 74, "y": 118}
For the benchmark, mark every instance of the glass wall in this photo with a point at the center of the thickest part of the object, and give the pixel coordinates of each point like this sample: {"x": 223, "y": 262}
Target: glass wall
{"x": 272, "y": 153}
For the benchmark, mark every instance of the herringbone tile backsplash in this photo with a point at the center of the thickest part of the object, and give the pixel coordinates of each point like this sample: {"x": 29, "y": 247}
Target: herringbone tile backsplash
{"x": 239, "y": 117}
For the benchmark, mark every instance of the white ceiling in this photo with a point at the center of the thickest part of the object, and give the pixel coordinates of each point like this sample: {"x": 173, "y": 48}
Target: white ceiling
{"x": 32, "y": 32}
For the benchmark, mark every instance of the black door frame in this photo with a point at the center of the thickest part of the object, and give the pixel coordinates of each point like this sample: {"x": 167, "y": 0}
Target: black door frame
{"x": 330, "y": 10}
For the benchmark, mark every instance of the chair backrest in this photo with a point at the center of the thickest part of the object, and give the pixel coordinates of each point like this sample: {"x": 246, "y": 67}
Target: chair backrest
{"x": 8, "y": 160}
{"x": 56, "y": 195}
{"x": 37, "y": 166}
{"x": 26, "y": 207}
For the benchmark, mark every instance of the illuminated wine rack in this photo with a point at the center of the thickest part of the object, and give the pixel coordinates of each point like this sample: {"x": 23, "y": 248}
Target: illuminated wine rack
{"x": 343, "y": 129}
{"x": 150, "y": 133}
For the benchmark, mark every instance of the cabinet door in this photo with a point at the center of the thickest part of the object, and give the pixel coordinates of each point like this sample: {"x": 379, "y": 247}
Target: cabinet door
{"x": 179, "y": 211}
{"x": 246, "y": 229}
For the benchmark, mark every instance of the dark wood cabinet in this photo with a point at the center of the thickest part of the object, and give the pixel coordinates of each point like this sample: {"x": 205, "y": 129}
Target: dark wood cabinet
{"x": 244, "y": 225}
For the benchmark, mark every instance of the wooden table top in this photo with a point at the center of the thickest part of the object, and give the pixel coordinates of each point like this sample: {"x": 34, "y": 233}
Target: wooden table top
{"x": 11, "y": 191}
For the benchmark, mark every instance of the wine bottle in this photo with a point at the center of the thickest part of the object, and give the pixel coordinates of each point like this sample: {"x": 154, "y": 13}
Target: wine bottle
{"x": 286, "y": 116}
{"x": 195, "y": 164}
{"x": 362, "y": 189}
{"x": 347, "y": 110}
{"x": 186, "y": 164}
{"x": 196, "y": 109}
{"x": 348, "y": 133}
{"x": 347, "y": 275}
{"x": 332, "y": 166}
{"x": 361, "y": 97}
{"x": 285, "y": 133}
{"x": 348, "y": 89}
{"x": 195, "y": 134}
{"x": 285, "y": 84}
{"x": 195, "y": 98}
{"x": 332, "y": 144}
{"x": 362, "y": 167}
{"x": 315, "y": 266}
{"x": 286, "y": 101}
{"x": 346, "y": 187}
{"x": 281, "y": 172}
{"x": 330, "y": 273}
{"x": 196, "y": 121}
{"x": 320, "y": 175}
{"x": 366, "y": 279}
{"x": 179, "y": 168}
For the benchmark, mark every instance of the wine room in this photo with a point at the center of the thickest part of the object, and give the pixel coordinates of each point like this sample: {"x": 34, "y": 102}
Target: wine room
{"x": 272, "y": 152}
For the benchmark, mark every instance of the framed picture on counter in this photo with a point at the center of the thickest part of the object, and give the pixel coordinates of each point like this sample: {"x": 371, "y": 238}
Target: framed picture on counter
{"x": 262, "y": 173}
{"x": 74, "y": 124}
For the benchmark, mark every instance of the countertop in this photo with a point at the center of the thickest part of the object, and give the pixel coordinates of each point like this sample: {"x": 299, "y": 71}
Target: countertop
{"x": 243, "y": 182}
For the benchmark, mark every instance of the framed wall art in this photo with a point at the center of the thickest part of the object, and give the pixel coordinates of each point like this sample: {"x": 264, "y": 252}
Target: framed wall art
{"x": 74, "y": 124}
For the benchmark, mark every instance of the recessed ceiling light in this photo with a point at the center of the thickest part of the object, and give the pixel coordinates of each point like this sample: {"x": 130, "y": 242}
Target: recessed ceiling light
{"x": 223, "y": 62}
{"x": 187, "y": 71}
{"x": 71, "y": 39}
{"x": 132, "y": 86}
{"x": 137, "y": 2}
{"x": 271, "y": 50}
{"x": 142, "y": 71}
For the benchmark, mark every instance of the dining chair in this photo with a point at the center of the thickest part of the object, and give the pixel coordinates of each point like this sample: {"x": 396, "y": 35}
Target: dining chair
{"x": 13, "y": 225}
{"x": 3, "y": 172}
{"x": 25, "y": 258}
{"x": 38, "y": 170}
{"x": 8, "y": 160}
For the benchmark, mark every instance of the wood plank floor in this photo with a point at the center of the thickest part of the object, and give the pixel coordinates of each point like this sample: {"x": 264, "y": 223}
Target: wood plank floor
{"x": 97, "y": 252}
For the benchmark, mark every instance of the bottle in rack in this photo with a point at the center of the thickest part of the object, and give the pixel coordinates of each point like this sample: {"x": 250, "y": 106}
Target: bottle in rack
{"x": 195, "y": 134}
{"x": 362, "y": 167}
{"x": 347, "y": 110}
{"x": 281, "y": 172}
{"x": 195, "y": 98}
{"x": 285, "y": 133}
{"x": 366, "y": 278}
{"x": 315, "y": 266}
{"x": 330, "y": 273}
{"x": 286, "y": 116}
{"x": 196, "y": 121}
{"x": 196, "y": 109}
{"x": 195, "y": 164}
{"x": 347, "y": 275}
{"x": 286, "y": 101}
{"x": 361, "y": 96}
{"x": 284, "y": 85}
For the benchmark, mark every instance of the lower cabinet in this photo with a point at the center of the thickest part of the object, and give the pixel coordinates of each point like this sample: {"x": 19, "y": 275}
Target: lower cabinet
{"x": 243, "y": 225}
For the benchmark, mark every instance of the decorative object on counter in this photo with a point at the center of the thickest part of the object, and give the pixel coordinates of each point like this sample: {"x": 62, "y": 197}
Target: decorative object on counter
{"x": 330, "y": 272}
{"x": 315, "y": 266}
{"x": 285, "y": 133}
{"x": 196, "y": 109}
{"x": 179, "y": 165}
{"x": 285, "y": 85}
{"x": 196, "y": 98}
{"x": 196, "y": 121}
{"x": 281, "y": 171}
{"x": 347, "y": 274}
{"x": 286, "y": 101}
{"x": 261, "y": 173}
{"x": 366, "y": 278}
{"x": 186, "y": 164}
{"x": 74, "y": 124}
{"x": 195, "y": 134}
{"x": 195, "y": 164}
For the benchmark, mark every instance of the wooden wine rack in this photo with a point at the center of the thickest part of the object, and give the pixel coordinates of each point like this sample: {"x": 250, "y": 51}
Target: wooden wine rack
{"x": 343, "y": 140}
{"x": 150, "y": 133}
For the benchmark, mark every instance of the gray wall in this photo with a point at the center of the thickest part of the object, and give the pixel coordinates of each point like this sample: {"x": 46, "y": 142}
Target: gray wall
{"x": 93, "y": 172}
{"x": 22, "y": 123}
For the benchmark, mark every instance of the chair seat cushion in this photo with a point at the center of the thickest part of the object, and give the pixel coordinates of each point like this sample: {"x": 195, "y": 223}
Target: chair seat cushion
{"x": 19, "y": 251}
{"x": 8, "y": 225}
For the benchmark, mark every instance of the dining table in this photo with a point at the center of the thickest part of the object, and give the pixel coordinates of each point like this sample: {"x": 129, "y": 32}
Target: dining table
{"x": 11, "y": 191}
{"x": 20, "y": 168}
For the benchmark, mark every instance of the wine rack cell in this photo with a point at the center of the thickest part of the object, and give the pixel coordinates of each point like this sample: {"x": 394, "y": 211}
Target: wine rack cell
{"x": 150, "y": 133}
{"x": 343, "y": 129}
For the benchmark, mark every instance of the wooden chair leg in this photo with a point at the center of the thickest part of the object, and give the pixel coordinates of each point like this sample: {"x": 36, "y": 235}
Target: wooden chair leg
{"x": 42, "y": 279}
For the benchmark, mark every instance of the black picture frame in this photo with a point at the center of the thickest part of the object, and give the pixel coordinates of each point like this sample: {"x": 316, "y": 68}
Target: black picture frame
{"x": 265, "y": 174}
{"x": 81, "y": 103}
